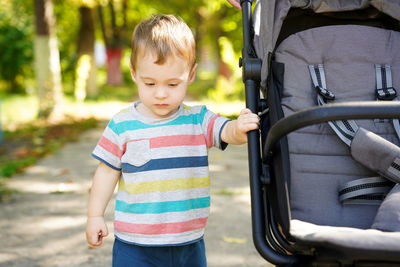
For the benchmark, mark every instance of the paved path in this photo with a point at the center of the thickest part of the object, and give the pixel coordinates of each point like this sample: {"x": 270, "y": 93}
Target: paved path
{"x": 43, "y": 225}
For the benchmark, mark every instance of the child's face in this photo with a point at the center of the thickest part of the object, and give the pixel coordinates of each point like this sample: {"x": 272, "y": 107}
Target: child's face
{"x": 162, "y": 88}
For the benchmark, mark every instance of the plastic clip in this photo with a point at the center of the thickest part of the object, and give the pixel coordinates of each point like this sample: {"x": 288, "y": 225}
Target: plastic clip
{"x": 386, "y": 93}
{"x": 325, "y": 93}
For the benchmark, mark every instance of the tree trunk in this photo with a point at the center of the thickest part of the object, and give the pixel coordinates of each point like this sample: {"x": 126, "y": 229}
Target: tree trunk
{"x": 223, "y": 68}
{"x": 85, "y": 81}
{"x": 113, "y": 47}
{"x": 114, "y": 72}
{"x": 47, "y": 62}
{"x": 102, "y": 25}
{"x": 124, "y": 14}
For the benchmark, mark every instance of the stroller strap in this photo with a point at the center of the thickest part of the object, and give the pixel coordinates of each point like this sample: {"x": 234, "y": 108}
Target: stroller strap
{"x": 367, "y": 148}
{"x": 384, "y": 87}
{"x": 344, "y": 129}
{"x": 385, "y": 90}
{"x": 369, "y": 190}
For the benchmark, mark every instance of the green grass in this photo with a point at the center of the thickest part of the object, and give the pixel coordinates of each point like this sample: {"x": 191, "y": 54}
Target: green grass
{"x": 117, "y": 93}
{"x": 17, "y": 109}
{"x": 23, "y": 147}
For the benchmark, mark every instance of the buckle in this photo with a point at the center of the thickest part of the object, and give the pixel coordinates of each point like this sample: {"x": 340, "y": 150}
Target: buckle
{"x": 386, "y": 93}
{"x": 325, "y": 93}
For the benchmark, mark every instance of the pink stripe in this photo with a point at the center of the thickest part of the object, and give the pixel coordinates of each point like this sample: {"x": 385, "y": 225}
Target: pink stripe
{"x": 110, "y": 147}
{"x": 159, "y": 229}
{"x": 210, "y": 136}
{"x": 177, "y": 140}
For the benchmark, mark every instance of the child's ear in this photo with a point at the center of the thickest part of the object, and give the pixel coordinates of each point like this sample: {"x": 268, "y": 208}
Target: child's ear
{"x": 133, "y": 74}
{"x": 192, "y": 73}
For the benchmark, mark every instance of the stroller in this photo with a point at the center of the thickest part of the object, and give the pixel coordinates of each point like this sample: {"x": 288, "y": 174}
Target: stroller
{"x": 325, "y": 165}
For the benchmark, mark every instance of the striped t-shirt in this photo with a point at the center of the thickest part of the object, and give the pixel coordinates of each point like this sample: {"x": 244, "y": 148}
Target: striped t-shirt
{"x": 164, "y": 191}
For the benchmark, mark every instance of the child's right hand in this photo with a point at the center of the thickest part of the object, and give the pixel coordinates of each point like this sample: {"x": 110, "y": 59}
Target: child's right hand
{"x": 96, "y": 229}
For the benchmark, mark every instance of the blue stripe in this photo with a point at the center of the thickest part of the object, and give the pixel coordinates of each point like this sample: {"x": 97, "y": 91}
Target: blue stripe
{"x": 105, "y": 162}
{"x": 222, "y": 144}
{"x": 168, "y": 163}
{"x": 130, "y": 125}
{"x": 162, "y": 207}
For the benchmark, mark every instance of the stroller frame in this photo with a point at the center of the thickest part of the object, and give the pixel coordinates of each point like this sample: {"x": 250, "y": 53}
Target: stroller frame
{"x": 270, "y": 221}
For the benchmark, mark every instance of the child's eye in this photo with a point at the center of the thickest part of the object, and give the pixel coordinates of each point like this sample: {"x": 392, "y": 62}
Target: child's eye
{"x": 149, "y": 84}
{"x": 172, "y": 84}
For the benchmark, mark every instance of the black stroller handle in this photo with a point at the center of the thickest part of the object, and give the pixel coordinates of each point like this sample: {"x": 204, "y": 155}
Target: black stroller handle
{"x": 251, "y": 76}
{"x": 329, "y": 112}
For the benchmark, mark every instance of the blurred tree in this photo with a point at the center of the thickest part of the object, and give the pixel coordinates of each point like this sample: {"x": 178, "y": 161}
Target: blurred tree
{"x": 85, "y": 78}
{"x": 113, "y": 39}
{"x": 67, "y": 30}
{"x": 15, "y": 45}
{"x": 47, "y": 61}
{"x": 16, "y": 52}
{"x": 216, "y": 27}
{"x": 219, "y": 39}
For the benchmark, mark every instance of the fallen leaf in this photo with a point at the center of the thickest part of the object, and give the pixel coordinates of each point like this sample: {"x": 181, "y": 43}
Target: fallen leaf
{"x": 64, "y": 171}
{"x": 234, "y": 240}
{"x": 21, "y": 152}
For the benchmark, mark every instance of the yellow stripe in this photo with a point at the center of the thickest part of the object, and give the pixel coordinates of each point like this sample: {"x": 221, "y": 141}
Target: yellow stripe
{"x": 165, "y": 185}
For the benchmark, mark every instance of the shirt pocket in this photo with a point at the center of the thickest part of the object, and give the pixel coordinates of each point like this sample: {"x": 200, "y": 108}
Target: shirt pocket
{"x": 137, "y": 153}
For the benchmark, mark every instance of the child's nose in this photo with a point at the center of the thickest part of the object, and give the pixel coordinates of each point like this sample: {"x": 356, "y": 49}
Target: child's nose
{"x": 161, "y": 92}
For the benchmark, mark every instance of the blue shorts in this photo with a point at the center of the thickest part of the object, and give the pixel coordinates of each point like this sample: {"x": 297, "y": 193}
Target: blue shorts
{"x": 191, "y": 255}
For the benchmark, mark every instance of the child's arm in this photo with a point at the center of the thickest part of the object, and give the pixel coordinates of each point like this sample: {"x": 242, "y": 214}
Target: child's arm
{"x": 235, "y": 131}
{"x": 104, "y": 182}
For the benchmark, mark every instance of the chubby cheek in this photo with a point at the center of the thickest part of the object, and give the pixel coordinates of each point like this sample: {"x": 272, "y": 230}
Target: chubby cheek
{"x": 144, "y": 94}
{"x": 181, "y": 95}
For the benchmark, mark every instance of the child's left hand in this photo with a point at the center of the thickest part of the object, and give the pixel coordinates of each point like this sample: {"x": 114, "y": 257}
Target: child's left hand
{"x": 247, "y": 121}
{"x": 235, "y": 132}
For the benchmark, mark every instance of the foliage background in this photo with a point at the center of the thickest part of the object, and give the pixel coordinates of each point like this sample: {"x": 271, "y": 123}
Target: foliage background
{"x": 216, "y": 26}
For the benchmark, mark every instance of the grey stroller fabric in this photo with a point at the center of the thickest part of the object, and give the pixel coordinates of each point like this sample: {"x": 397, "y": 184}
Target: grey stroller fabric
{"x": 350, "y": 238}
{"x": 376, "y": 153}
{"x": 274, "y": 13}
{"x": 388, "y": 216}
{"x": 349, "y": 54}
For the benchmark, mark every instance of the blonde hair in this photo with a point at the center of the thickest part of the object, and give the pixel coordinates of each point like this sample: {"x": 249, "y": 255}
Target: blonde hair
{"x": 164, "y": 35}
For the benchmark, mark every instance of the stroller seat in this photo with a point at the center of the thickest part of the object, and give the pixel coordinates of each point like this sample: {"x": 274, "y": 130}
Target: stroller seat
{"x": 347, "y": 239}
{"x": 320, "y": 163}
{"x": 304, "y": 176}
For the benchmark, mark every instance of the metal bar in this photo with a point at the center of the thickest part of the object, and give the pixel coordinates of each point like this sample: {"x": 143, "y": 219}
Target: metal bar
{"x": 330, "y": 112}
{"x": 254, "y": 156}
{"x": 246, "y": 22}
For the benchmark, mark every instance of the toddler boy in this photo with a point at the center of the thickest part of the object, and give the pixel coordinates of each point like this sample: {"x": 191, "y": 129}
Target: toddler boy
{"x": 157, "y": 150}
